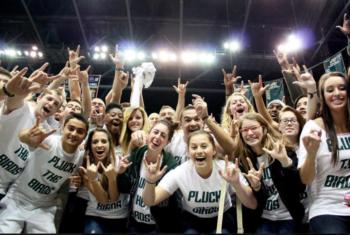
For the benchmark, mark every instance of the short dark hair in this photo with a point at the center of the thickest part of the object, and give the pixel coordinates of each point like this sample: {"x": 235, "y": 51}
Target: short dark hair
{"x": 79, "y": 117}
{"x": 166, "y": 107}
{"x": 113, "y": 106}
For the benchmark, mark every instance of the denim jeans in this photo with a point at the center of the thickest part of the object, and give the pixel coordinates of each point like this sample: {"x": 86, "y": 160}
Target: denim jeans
{"x": 276, "y": 227}
{"x": 102, "y": 225}
{"x": 330, "y": 224}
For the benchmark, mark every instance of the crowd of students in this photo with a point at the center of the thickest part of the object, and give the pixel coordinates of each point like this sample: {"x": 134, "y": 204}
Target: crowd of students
{"x": 70, "y": 163}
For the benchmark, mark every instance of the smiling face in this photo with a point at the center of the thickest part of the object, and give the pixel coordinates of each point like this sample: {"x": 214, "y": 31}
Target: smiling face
{"x": 113, "y": 120}
{"x": 48, "y": 104}
{"x": 301, "y": 107}
{"x": 289, "y": 125}
{"x": 274, "y": 110}
{"x": 190, "y": 121}
{"x": 238, "y": 106}
{"x": 335, "y": 94}
{"x": 100, "y": 145}
{"x": 73, "y": 133}
{"x": 135, "y": 121}
{"x": 158, "y": 137}
{"x": 252, "y": 133}
{"x": 201, "y": 150}
{"x": 72, "y": 107}
{"x": 167, "y": 113}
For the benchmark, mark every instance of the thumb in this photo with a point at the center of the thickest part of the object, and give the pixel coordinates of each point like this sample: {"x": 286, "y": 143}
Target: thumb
{"x": 82, "y": 169}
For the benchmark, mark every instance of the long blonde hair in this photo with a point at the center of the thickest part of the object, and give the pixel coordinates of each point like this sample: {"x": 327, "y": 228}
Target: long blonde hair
{"x": 226, "y": 117}
{"x": 243, "y": 150}
{"x": 125, "y": 133}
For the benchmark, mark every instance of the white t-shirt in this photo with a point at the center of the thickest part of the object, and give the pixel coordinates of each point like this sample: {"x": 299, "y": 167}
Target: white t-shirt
{"x": 200, "y": 196}
{"x": 274, "y": 208}
{"x": 330, "y": 184}
{"x": 14, "y": 154}
{"x": 140, "y": 211}
{"x": 112, "y": 210}
{"x": 178, "y": 147}
{"x": 45, "y": 173}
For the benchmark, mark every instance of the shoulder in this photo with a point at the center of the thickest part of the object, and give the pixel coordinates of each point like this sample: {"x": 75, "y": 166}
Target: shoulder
{"x": 319, "y": 122}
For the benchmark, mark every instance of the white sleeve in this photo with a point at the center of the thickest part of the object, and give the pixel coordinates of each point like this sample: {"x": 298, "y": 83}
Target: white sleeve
{"x": 302, "y": 153}
{"x": 169, "y": 181}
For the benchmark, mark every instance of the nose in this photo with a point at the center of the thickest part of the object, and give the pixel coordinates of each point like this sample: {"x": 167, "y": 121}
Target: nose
{"x": 336, "y": 91}
{"x": 249, "y": 132}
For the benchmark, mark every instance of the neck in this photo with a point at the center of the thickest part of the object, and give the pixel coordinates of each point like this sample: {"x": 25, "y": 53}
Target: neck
{"x": 292, "y": 140}
{"x": 69, "y": 148}
{"x": 205, "y": 172}
{"x": 258, "y": 150}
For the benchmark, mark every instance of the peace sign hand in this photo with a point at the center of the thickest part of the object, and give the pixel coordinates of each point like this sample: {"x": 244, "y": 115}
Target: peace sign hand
{"x": 34, "y": 136}
{"x": 305, "y": 80}
{"x": 278, "y": 152}
{"x": 254, "y": 176}
{"x": 231, "y": 172}
{"x": 180, "y": 88}
{"x": 153, "y": 172}
{"x": 91, "y": 170}
{"x": 73, "y": 57}
{"x": 110, "y": 171}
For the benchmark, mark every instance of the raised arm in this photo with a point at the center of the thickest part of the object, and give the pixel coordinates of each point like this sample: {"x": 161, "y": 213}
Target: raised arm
{"x": 229, "y": 80}
{"x": 152, "y": 194}
{"x": 74, "y": 59}
{"x": 258, "y": 90}
{"x": 181, "y": 92}
{"x": 86, "y": 96}
{"x": 223, "y": 138}
{"x": 345, "y": 29}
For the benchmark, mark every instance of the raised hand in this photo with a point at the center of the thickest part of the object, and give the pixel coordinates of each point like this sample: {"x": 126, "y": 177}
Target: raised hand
{"x": 254, "y": 176}
{"x": 231, "y": 172}
{"x": 345, "y": 28}
{"x": 258, "y": 88}
{"x": 91, "y": 170}
{"x": 123, "y": 164}
{"x": 153, "y": 172}
{"x": 201, "y": 106}
{"x": 282, "y": 59}
{"x": 122, "y": 79}
{"x": 312, "y": 142}
{"x": 138, "y": 138}
{"x": 180, "y": 88}
{"x": 74, "y": 58}
{"x": 278, "y": 152}
{"x": 83, "y": 75}
{"x": 14, "y": 71}
{"x": 111, "y": 171}
{"x": 230, "y": 78}
{"x": 305, "y": 80}
{"x": 34, "y": 136}
{"x": 116, "y": 59}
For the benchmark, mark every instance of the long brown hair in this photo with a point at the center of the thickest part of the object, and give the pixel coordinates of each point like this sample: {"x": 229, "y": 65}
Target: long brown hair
{"x": 326, "y": 114}
{"x": 107, "y": 160}
{"x": 243, "y": 150}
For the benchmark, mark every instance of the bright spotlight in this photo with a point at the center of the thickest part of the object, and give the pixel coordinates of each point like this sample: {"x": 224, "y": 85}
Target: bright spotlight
{"x": 104, "y": 48}
{"x": 96, "y": 56}
{"x": 19, "y": 53}
{"x": 292, "y": 44}
{"x": 233, "y": 45}
{"x": 40, "y": 54}
{"x": 34, "y": 48}
{"x": 163, "y": 56}
{"x": 10, "y": 52}
{"x": 188, "y": 57}
{"x": 226, "y": 45}
{"x": 97, "y": 49}
{"x": 33, "y": 54}
{"x": 129, "y": 55}
{"x": 172, "y": 57}
{"x": 207, "y": 58}
{"x": 141, "y": 55}
{"x": 154, "y": 56}
{"x": 26, "y": 53}
{"x": 103, "y": 56}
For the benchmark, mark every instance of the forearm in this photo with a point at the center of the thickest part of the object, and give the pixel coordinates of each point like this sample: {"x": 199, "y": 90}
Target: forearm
{"x": 223, "y": 138}
{"x": 307, "y": 170}
{"x": 260, "y": 105}
{"x": 74, "y": 89}
{"x": 245, "y": 195}
{"x": 56, "y": 83}
{"x": 180, "y": 106}
{"x": 312, "y": 104}
{"x": 149, "y": 194}
{"x": 97, "y": 190}
{"x": 13, "y": 103}
{"x": 112, "y": 189}
{"x": 86, "y": 99}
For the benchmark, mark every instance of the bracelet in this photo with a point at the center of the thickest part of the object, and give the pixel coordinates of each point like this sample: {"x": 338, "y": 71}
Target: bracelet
{"x": 311, "y": 94}
{"x": 6, "y": 91}
{"x": 148, "y": 182}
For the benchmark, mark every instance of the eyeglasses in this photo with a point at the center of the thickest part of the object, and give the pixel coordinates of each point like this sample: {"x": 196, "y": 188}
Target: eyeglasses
{"x": 251, "y": 128}
{"x": 289, "y": 120}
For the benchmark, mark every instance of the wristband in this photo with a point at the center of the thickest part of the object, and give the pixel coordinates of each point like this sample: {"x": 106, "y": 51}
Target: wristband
{"x": 6, "y": 91}
{"x": 148, "y": 182}
{"x": 311, "y": 94}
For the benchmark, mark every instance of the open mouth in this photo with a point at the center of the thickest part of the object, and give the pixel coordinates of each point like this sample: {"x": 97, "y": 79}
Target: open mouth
{"x": 115, "y": 123}
{"x": 100, "y": 152}
{"x": 200, "y": 159}
{"x": 240, "y": 109}
{"x": 46, "y": 110}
